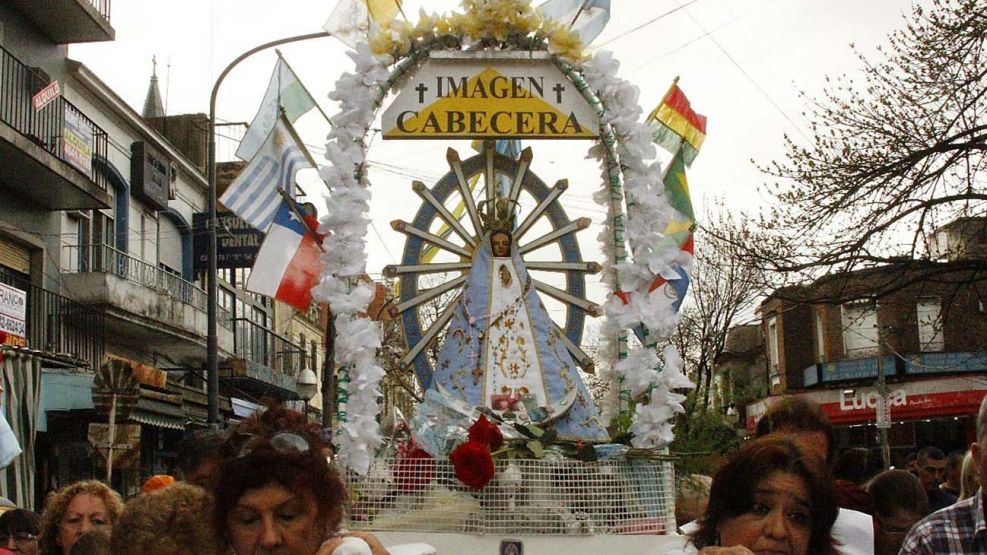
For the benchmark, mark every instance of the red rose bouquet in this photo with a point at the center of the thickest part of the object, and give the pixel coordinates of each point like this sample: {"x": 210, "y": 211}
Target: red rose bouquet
{"x": 414, "y": 468}
{"x": 483, "y": 431}
{"x": 472, "y": 464}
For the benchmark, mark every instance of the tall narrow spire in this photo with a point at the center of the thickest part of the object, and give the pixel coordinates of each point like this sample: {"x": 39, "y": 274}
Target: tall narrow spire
{"x": 153, "y": 107}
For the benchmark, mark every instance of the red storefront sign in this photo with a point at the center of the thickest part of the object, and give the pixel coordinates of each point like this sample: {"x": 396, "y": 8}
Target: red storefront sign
{"x": 913, "y": 400}
{"x": 860, "y": 408}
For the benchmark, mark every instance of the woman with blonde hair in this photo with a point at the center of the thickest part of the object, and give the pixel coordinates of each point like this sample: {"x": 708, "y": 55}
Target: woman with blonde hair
{"x": 74, "y": 510}
{"x": 175, "y": 519}
{"x": 969, "y": 477}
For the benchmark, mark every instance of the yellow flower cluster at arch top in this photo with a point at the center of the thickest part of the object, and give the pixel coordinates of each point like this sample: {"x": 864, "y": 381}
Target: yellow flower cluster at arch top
{"x": 514, "y": 22}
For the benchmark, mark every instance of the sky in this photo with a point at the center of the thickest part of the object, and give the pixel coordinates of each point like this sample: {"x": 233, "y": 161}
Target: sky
{"x": 742, "y": 63}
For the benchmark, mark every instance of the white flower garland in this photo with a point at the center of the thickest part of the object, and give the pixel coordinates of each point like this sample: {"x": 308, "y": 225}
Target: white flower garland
{"x": 651, "y": 254}
{"x": 360, "y": 94}
{"x": 357, "y": 338}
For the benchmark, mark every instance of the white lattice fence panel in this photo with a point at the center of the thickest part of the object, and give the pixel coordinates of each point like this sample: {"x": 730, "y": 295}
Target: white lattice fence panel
{"x": 634, "y": 496}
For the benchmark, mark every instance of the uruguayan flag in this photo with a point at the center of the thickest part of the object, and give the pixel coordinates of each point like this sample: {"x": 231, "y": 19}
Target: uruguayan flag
{"x": 255, "y": 194}
{"x": 593, "y": 16}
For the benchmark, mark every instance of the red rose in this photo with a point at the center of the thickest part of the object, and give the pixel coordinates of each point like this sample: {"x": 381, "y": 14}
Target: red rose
{"x": 473, "y": 464}
{"x": 414, "y": 468}
{"x": 484, "y": 432}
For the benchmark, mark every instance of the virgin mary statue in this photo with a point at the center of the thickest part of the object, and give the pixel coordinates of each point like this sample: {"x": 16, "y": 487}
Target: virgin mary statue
{"x": 503, "y": 352}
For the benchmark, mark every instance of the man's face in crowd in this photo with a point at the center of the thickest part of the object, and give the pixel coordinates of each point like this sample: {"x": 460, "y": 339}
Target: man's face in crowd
{"x": 890, "y": 531}
{"x": 931, "y": 472}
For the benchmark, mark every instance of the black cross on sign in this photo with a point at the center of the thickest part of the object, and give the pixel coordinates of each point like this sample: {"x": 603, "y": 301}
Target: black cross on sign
{"x": 558, "y": 88}
{"x": 421, "y": 88}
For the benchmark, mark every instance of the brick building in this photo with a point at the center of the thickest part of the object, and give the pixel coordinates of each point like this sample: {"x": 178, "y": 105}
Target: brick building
{"x": 924, "y": 323}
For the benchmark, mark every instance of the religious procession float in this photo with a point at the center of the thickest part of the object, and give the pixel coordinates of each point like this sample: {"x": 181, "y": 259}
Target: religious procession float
{"x": 508, "y": 450}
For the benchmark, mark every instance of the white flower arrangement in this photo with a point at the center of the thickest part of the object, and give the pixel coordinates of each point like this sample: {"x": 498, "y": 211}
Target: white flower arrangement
{"x": 513, "y": 23}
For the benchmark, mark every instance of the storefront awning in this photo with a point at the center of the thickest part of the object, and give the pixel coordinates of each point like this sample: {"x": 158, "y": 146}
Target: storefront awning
{"x": 910, "y": 400}
{"x": 156, "y": 413}
{"x": 243, "y": 408}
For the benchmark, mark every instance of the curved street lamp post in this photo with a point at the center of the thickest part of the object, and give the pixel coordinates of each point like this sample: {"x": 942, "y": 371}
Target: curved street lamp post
{"x": 212, "y": 340}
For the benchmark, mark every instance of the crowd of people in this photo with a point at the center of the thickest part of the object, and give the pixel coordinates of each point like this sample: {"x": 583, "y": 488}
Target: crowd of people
{"x": 266, "y": 486}
{"x": 788, "y": 492}
{"x": 263, "y": 487}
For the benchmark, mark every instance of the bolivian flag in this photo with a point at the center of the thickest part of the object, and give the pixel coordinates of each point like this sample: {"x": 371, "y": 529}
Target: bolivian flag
{"x": 677, "y": 125}
{"x": 677, "y": 192}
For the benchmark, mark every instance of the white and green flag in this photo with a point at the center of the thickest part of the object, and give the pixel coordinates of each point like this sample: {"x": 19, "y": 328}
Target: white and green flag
{"x": 284, "y": 91}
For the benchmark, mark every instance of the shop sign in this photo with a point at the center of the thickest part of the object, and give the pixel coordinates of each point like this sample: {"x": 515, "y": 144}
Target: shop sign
{"x": 13, "y": 315}
{"x": 77, "y": 141}
{"x": 126, "y": 444}
{"x": 150, "y": 175}
{"x": 463, "y": 95}
{"x": 237, "y": 242}
{"x": 856, "y": 399}
{"x": 904, "y": 404}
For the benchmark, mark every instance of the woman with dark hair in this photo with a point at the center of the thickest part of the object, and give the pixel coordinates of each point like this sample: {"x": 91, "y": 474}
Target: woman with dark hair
{"x": 769, "y": 497}
{"x": 74, "y": 510}
{"x": 19, "y": 531}
{"x": 276, "y": 490}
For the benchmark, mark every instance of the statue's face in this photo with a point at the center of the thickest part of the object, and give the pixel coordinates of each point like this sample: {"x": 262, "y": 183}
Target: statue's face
{"x": 500, "y": 244}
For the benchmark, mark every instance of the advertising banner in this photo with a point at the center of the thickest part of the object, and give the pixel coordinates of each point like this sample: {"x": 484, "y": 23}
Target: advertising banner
{"x": 46, "y": 96}
{"x": 13, "y": 315}
{"x": 77, "y": 142}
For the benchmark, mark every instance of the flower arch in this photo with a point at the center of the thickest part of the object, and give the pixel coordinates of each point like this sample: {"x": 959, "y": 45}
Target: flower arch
{"x": 626, "y": 157}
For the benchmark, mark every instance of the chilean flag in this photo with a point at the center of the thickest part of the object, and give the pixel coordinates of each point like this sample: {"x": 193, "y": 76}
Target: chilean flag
{"x": 287, "y": 265}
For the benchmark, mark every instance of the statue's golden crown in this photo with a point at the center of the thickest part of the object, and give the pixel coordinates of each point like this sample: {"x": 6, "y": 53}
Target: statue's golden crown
{"x": 498, "y": 214}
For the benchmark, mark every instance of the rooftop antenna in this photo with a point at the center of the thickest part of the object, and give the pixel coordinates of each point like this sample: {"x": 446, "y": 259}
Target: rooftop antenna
{"x": 167, "y": 82}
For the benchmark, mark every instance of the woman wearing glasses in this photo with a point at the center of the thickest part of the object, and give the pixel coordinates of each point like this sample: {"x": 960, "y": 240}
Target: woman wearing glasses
{"x": 19, "y": 530}
{"x": 277, "y": 492}
{"x": 74, "y": 510}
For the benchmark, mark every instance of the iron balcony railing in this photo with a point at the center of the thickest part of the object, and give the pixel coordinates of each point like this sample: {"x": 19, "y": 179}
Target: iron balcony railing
{"x": 51, "y": 125}
{"x": 106, "y": 259}
{"x": 258, "y": 344}
{"x": 102, "y": 7}
{"x": 59, "y": 325}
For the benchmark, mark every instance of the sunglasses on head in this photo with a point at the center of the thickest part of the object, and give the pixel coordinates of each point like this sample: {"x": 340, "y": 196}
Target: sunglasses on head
{"x": 286, "y": 443}
{"x": 18, "y": 537}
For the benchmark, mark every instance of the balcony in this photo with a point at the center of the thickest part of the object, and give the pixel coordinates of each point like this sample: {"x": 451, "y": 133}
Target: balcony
{"x": 264, "y": 363}
{"x": 62, "y": 328}
{"x": 149, "y": 308}
{"x": 69, "y": 21}
{"x": 48, "y": 153}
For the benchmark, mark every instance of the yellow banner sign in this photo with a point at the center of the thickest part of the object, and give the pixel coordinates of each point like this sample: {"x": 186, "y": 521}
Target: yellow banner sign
{"x": 465, "y": 97}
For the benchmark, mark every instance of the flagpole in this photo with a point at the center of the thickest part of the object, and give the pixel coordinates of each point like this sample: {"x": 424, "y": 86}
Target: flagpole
{"x": 671, "y": 87}
{"x": 301, "y": 145}
{"x": 400, "y": 9}
{"x": 304, "y": 88}
{"x": 212, "y": 339}
{"x": 301, "y": 218}
{"x": 582, "y": 7}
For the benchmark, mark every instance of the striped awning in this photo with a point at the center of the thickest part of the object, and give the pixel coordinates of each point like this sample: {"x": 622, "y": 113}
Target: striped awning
{"x": 153, "y": 412}
{"x": 20, "y": 374}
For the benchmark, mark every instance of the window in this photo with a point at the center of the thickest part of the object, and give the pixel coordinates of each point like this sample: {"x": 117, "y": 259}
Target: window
{"x": 929, "y": 311}
{"x": 80, "y": 248}
{"x": 860, "y": 334}
{"x": 773, "y": 358}
{"x": 820, "y": 336}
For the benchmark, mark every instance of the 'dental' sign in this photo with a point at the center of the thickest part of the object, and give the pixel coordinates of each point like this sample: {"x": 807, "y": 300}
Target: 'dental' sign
{"x": 13, "y": 313}
{"x": 480, "y": 95}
